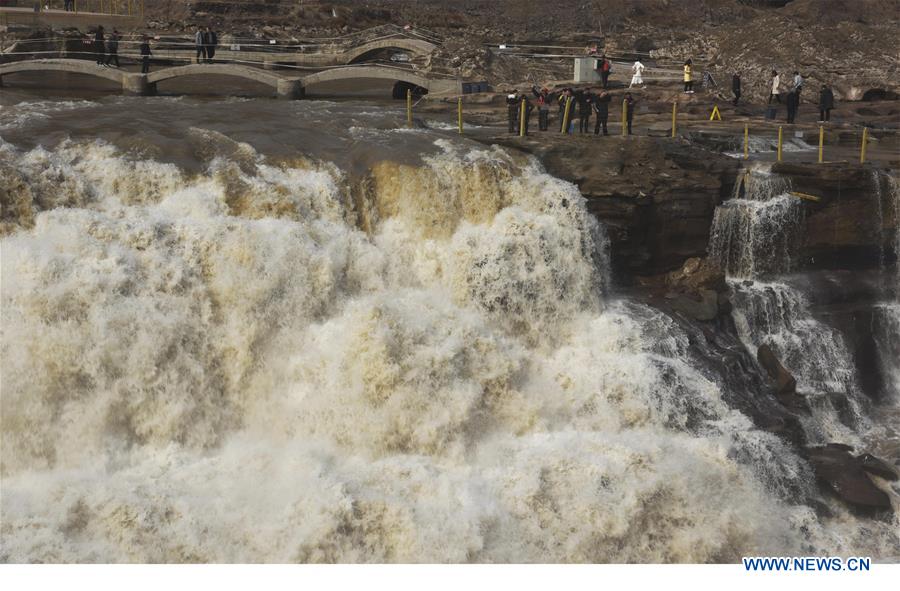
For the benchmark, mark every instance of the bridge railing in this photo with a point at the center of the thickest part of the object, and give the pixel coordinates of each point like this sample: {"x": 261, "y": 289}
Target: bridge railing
{"x": 332, "y": 45}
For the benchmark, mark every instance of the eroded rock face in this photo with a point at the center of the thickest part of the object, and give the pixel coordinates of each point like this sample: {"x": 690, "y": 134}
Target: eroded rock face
{"x": 853, "y": 224}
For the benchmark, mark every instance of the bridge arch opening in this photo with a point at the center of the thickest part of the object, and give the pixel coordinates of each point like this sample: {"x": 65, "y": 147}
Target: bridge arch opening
{"x": 213, "y": 85}
{"x": 59, "y": 82}
{"x": 400, "y": 88}
{"x": 383, "y": 54}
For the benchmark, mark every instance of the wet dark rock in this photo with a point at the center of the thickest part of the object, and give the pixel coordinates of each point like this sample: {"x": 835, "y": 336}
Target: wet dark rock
{"x": 700, "y": 305}
{"x": 785, "y": 383}
{"x": 878, "y": 467}
{"x": 842, "y": 474}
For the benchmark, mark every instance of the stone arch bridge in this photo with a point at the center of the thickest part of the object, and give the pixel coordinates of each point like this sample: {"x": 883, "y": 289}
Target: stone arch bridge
{"x": 290, "y": 87}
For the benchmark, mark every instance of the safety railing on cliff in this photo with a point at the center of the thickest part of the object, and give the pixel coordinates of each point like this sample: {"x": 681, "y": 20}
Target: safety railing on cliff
{"x": 772, "y": 135}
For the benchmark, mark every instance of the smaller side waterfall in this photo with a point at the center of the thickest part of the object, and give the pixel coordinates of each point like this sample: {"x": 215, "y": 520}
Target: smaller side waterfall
{"x": 756, "y": 232}
{"x": 755, "y": 237}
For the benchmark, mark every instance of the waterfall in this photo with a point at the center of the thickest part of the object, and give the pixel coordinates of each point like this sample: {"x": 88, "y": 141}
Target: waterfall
{"x": 264, "y": 359}
{"x": 754, "y": 237}
{"x": 755, "y": 232}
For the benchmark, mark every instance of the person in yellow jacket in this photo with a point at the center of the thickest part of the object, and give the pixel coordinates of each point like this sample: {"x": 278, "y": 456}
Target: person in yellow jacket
{"x": 689, "y": 77}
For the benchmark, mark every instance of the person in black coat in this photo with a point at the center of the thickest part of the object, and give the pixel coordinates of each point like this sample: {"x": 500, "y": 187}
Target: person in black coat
{"x": 145, "y": 55}
{"x": 585, "y": 98}
{"x": 112, "y": 48}
{"x": 630, "y": 103}
{"x": 601, "y": 108}
{"x": 736, "y": 87}
{"x": 826, "y": 103}
{"x": 793, "y": 104}
{"x": 210, "y": 41}
{"x": 99, "y": 46}
{"x": 512, "y": 111}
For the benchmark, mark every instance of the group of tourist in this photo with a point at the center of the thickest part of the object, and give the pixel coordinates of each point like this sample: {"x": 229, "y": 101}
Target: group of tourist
{"x": 206, "y": 41}
{"x": 792, "y": 99}
{"x": 575, "y": 108}
{"x": 106, "y": 47}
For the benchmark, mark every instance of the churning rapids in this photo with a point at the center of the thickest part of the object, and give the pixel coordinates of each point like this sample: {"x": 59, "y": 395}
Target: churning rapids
{"x": 247, "y": 330}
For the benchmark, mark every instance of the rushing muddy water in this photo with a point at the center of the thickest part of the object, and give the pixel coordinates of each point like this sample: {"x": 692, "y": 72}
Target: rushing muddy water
{"x": 250, "y": 330}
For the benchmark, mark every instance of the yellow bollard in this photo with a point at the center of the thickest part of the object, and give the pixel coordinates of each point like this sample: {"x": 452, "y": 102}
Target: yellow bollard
{"x": 746, "y": 141}
{"x": 409, "y": 107}
{"x": 862, "y": 149}
{"x": 522, "y": 106}
{"x": 779, "y": 142}
{"x": 459, "y": 114}
{"x": 564, "y": 128}
{"x": 674, "y": 113}
{"x": 821, "y": 143}
{"x": 624, "y": 117}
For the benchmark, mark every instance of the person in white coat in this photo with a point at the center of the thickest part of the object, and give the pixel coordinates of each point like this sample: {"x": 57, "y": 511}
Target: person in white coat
{"x": 776, "y": 87}
{"x": 638, "y": 74}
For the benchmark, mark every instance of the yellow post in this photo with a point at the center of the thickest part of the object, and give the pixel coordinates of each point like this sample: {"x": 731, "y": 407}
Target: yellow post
{"x": 862, "y": 149}
{"x": 459, "y": 114}
{"x": 779, "y": 142}
{"x": 746, "y": 141}
{"x": 409, "y": 107}
{"x": 624, "y": 117}
{"x": 821, "y": 143}
{"x": 565, "y": 122}
{"x": 522, "y": 106}
{"x": 674, "y": 113}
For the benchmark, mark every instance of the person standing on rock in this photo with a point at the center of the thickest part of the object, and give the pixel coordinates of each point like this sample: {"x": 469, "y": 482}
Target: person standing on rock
{"x": 212, "y": 43}
{"x": 512, "y": 111}
{"x": 826, "y": 103}
{"x": 629, "y": 110}
{"x": 112, "y": 48}
{"x": 145, "y": 55}
{"x": 583, "y": 113}
{"x": 543, "y": 100}
{"x": 201, "y": 48}
{"x": 601, "y": 108}
{"x": 798, "y": 85}
{"x": 793, "y": 103}
{"x": 736, "y": 87}
{"x": 605, "y": 69}
{"x": 638, "y": 74}
{"x": 99, "y": 46}
{"x": 689, "y": 76}
{"x": 776, "y": 87}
